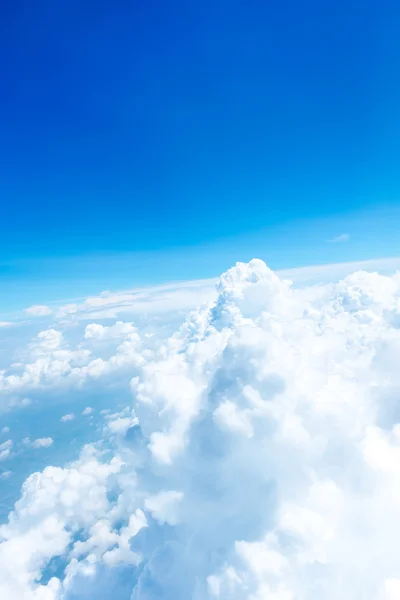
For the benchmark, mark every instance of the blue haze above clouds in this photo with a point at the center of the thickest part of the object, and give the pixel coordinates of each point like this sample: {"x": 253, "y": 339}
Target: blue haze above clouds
{"x": 166, "y": 433}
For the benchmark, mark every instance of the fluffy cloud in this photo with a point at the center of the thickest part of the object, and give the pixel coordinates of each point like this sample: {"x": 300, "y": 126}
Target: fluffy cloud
{"x": 51, "y": 363}
{"x": 5, "y": 449}
{"x": 42, "y": 442}
{"x": 259, "y": 459}
{"x": 38, "y": 443}
{"x": 100, "y": 333}
{"x": 38, "y": 311}
{"x": 68, "y": 417}
{"x": 54, "y": 505}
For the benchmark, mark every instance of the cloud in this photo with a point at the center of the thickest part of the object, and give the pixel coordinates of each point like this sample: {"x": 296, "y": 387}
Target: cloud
{"x": 66, "y": 418}
{"x": 161, "y": 299}
{"x": 52, "y": 364}
{"x": 332, "y": 273}
{"x": 343, "y": 237}
{"x": 101, "y": 333}
{"x": 42, "y": 443}
{"x": 38, "y": 311}
{"x": 172, "y": 300}
{"x": 49, "y": 363}
{"x": 258, "y": 458}
{"x": 53, "y": 505}
{"x": 39, "y": 443}
{"x": 5, "y": 450}
{"x": 4, "y": 454}
{"x": 87, "y": 411}
{"x": 5, "y": 445}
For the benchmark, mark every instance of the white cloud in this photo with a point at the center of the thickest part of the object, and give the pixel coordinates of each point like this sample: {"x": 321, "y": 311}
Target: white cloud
{"x": 175, "y": 298}
{"x": 120, "y": 424}
{"x": 38, "y": 311}
{"x": 164, "y": 506}
{"x": 67, "y": 309}
{"x": 66, "y": 418}
{"x": 5, "y": 450}
{"x": 4, "y": 454}
{"x": 42, "y": 443}
{"x": 5, "y": 445}
{"x": 51, "y": 363}
{"x": 161, "y": 299}
{"x": 48, "y": 340}
{"x": 53, "y": 505}
{"x": 101, "y": 333}
{"x": 259, "y": 458}
{"x": 87, "y": 411}
{"x": 317, "y": 274}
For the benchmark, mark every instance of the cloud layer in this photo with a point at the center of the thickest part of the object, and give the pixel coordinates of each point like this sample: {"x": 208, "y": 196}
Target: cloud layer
{"x": 259, "y": 458}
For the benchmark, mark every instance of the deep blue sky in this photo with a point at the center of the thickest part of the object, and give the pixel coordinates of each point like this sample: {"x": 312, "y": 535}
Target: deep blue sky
{"x": 137, "y": 126}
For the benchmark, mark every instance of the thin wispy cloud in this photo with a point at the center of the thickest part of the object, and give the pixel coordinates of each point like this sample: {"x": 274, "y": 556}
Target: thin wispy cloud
{"x": 39, "y": 443}
{"x": 343, "y": 237}
{"x": 38, "y": 311}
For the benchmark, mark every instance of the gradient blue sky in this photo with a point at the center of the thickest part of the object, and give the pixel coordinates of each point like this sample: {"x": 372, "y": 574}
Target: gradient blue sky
{"x": 173, "y": 132}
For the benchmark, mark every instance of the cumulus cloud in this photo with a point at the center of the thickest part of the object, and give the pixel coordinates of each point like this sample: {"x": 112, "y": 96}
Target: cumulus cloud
{"x": 66, "y": 418}
{"x": 259, "y": 458}
{"x": 5, "y": 449}
{"x": 54, "y": 504}
{"x": 87, "y": 411}
{"x": 42, "y": 442}
{"x": 38, "y": 311}
{"x": 38, "y": 443}
{"x": 102, "y": 333}
{"x": 51, "y": 363}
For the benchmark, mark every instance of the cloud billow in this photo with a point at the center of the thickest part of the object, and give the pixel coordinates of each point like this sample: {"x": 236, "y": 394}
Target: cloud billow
{"x": 259, "y": 459}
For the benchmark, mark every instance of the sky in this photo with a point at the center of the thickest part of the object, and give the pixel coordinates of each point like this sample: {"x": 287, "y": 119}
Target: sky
{"x": 152, "y": 127}
{"x": 199, "y": 300}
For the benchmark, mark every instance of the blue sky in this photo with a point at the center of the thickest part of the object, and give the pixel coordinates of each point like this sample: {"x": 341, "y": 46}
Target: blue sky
{"x": 179, "y": 137}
